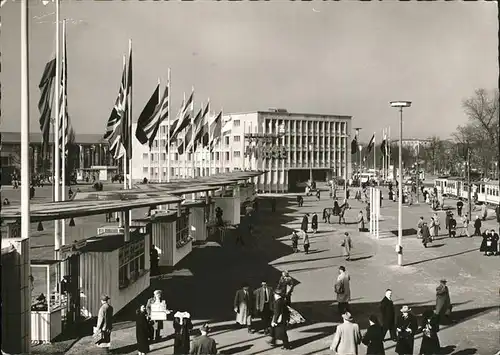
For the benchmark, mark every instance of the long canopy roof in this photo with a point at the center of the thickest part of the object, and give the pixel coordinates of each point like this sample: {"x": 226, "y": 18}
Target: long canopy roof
{"x": 146, "y": 195}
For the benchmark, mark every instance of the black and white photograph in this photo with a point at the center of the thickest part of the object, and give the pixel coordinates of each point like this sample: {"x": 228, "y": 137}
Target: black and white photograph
{"x": 250, "y": 177}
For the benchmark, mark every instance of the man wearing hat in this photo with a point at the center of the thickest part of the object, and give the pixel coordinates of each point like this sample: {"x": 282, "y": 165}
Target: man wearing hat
{"x": 263, "y": 298}
{"x": 203, "y": 345}
{"x": 347, "y": 336}
{"x": 443, "y": 301}
{"x": 158, "y": 303}
{"x": 279, "y": 320}
{"x": 406, "y": 326}
{"x": 243, "y": 307}
{"x": 102, "y": 331}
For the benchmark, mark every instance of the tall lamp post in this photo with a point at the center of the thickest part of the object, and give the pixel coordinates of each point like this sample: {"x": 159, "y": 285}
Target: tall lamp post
{"x": 399, "y": 248}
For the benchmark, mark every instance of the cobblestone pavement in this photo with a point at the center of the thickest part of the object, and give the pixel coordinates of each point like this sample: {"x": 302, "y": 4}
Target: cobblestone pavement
{"x": 204, "y": 283}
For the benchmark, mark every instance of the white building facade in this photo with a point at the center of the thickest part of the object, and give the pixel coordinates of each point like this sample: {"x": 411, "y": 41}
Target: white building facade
{"x": 310, "y": 145}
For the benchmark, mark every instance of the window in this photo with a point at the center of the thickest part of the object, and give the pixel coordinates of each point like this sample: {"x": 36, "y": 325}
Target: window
{"x": 236, "y": 139}
{"x": 236, "y": 123}
{"x": 176, "y": 156}
{"x": 182, "y": 230}
{"x": 217, "y": 156}
{"x": 236, "y": 154}
{"x": 226, "y": 140}
{"x": 131, "y": 262}
{"x": 227, "y": 156}
{"x": 145, "y": 156}
{"x": 145, "y": 170}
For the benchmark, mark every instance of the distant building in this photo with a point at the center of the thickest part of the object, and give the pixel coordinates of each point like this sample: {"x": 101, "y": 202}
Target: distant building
{"x": 308, "y": 144}
{"x": 92, "y": 150}
{"x": 413, "y": 143}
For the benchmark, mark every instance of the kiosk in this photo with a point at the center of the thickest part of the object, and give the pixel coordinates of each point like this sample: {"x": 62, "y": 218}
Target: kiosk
{"x": 228, "y": 199}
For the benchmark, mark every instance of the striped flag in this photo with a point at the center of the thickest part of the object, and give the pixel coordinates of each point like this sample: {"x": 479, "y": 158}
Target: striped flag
{"x": 185, "y": 141}
{"x": 183, "y": 117}
{"x": 193, "y": 128}
{"x": 46, "y": 101}
{"x": 127, "y": 128}
{"x": 147, "y": 123}
{"x": 215, "y": 131}
{"x": 203, "y": 128}
{"x": 118, "y": 121}
{"x": 64, "y": 122}
{"x": 370, "y": 145}
{"x": 383, "y": 146}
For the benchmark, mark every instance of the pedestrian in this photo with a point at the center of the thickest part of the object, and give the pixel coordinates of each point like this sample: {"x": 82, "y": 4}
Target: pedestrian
{"x": 388, "y": 315}
{"x": 347, "y": 193}
{"x": 447, "y": 220}
{"x": 142, "y": 330}
{"x": 406, "y": 326}
{"x": 432, "y": 229}
{"x": 368, "y": 212}
{"x": 374, "y": 337}
{"x": 484, "y": 211}
{"x": 305, "y": 223}
{"x": 426, "y": 235}
{"x": 419, "y": 227}
{"x": 484, "y": 243}
{"x": 102, "y": 331}
{"x": 347, "y": 245}
{"x": 460, "y": 205}
{"x": 157, "y": 302}
{"x": 347, "y": 337}
{"x": 361, "y": 221}
{"x": 465, "y": 226}
{"x": 318, "y": 195}
{"x": 343, "y": 290}
{"x": 295, "y": 242}
{"x": 154, "y": 257}
{"x": 280, "y": 320}
{"x": 381, "y": 198}
{"x": 286, "y": 285}
{"x": 182, "y": 328}
{"x": 495, "y": 247}
{"x": 32, "y": 192}
{"x": 443, "y": 301}
{"x": 243, "y": 307}
{"x": 314, "y": 222}
{"x": 452, "y": 227}
{"x": 430, "y": 341}
{"x": 306, "y": 243}
{"x": 263, "y": 305}
{"x": 203, "y": 345}
{"x": 477, "y": 226}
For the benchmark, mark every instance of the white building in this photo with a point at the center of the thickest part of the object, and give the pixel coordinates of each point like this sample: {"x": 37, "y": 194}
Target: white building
{"x": 310, "y": 145}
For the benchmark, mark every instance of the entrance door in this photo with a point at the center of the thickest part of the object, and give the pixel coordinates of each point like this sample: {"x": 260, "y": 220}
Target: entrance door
{"x": 71, "y": 290}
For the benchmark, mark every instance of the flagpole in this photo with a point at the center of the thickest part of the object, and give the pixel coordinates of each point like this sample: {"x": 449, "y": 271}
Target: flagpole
{"x": 168, "y": 122}
{"x": 160, "y": 172}
{"x": 374, "y": 155}
{"x": 125, "y": 182}
{"x": 63, "y": 141}
{"x": 193, "y": 173}
{"x": 389, "y": 152}
{"x": 57, "y": 241}
{"x": 25, "y": 166}
{"x": 129, "y": 122}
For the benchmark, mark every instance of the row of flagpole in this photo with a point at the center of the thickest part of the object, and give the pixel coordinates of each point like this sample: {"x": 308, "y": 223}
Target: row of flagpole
{"x": 385, "y": 148}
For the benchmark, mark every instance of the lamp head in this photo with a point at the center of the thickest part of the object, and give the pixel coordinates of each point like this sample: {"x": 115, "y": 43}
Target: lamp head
{"x": 400, "y": 103}
{"x": 45, "y": 2}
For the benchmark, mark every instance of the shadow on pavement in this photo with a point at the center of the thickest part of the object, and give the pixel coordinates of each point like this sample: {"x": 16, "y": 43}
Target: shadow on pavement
{"x": 441, "y": 257}
{"x": 406, "y": 232}
{"x": 236, "y": 349}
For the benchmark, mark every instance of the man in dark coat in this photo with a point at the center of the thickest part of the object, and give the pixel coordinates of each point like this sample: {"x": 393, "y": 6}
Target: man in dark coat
{"x": 243, "y": 306}
{"x": 305, "y": 223}
{"x": 452, "y": 227}
{"x": 374, "y": 338}
{"x": 203, "y": 345}
{"x": 460, "y": 205}
{"x": 406, "y": 327}
{"x": 263, "y": 305}
{"x": 314, "y": 222}
{"x": 426, "y": 235}
{"x": 388, "y": 315}
{"x": 443, "y": 301}
{"x": 477, "y": 226}
{"x": 447, "y": 219}
{"x": 280, "y": 320}
{"x": 153, "y": 255}
{"x": 182, "y": 328}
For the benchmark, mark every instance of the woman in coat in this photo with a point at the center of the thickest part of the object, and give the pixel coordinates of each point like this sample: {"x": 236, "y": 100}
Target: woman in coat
{"x": 430, "y": 341}
{"x": 142, "y": 330}
{"x": 406, "y": 327}
{"x": 443, "y": 301}
{"x": 347, "y": 245}
{"x": 314, "y": 222}
{"x": 182, "y": 328}
{"x": 484, "y": 247}
{"x": 361, "y": 221}
{"x": 295, "y": 242}
{"x": 374, "y": 337}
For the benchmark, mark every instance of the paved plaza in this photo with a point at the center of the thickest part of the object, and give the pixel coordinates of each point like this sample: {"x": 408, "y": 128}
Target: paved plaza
{"x": 205, "y": 282}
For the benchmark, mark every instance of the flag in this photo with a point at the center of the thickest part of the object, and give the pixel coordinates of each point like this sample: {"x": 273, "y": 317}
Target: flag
{"x": 185, "y": 141}
{"x": 370, "y": 145}
{"x": 354, "y": 145}
{"x": 147, "y": 122}
{"x": 215, "y": 132}
{"x": 383, "y": 146}
{"x": 194, "y": 127}
{"x": 227, "y": 126}
{"x": 183, "y": 117}
{"x": 115, "y": 127}
{"x": 64, "y": 122}
{"x": 203, "y": 129}
{"x": 45, "y": 102}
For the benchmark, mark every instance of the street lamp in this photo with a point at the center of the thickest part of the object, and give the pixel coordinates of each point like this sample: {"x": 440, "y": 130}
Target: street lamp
{"x": 399, "y": 248}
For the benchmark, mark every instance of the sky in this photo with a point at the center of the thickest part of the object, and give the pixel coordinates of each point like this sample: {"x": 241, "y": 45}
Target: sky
{"x": 346, "y": 58}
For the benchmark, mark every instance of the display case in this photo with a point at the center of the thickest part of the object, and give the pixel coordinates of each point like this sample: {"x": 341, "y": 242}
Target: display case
{"x": 46, "y": 300}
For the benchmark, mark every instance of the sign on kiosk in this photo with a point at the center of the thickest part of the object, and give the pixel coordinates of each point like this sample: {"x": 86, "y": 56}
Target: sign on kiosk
{"x": 159, "y": 311}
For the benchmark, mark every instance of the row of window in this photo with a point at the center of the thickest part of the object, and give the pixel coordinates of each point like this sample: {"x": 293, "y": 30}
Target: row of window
{"x": 131, "y": 262}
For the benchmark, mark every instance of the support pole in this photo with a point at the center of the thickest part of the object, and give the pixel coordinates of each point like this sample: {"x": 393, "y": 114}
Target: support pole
{"x": 168, "y": 129}
{"x": 57, "y": 169}
{"x": 469, "y": 189}
{"x": 400, "y": 191}
{"x": 63, "y": 140}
